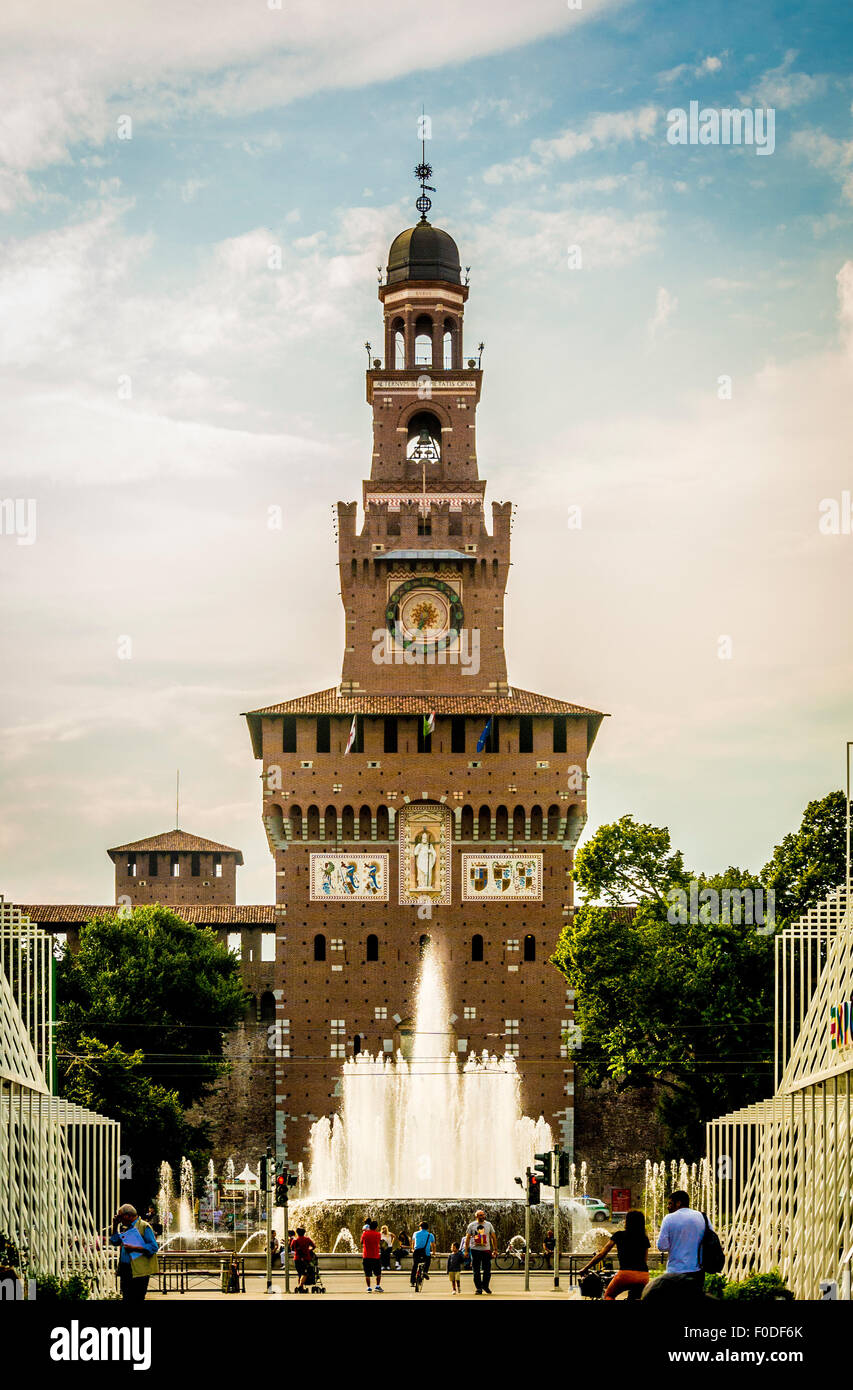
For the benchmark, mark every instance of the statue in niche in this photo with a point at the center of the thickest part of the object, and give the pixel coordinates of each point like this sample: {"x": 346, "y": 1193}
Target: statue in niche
{"x": 425, "y": 858}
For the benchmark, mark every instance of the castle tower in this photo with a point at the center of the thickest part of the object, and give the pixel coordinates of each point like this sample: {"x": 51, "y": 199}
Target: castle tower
{"x": 422, "y": 798}
{"x": 176, "y": 869}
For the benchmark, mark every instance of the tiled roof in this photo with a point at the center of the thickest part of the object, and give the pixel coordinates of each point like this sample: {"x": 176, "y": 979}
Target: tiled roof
{"x": 209, "y": 915}
{"x": 332, "y": 702}
{"x": 176, "y": 840}
{"x": 517, "y": 702}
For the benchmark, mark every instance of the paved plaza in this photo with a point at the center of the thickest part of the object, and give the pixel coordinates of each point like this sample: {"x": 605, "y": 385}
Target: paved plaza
{"x": 349, "y": 1285}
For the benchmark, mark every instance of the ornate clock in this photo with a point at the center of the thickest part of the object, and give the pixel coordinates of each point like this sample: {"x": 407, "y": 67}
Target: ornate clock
{"x": 424, "y": 613}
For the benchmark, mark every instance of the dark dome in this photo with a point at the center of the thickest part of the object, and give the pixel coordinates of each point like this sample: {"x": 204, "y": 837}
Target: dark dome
{"x": 424, "y": 252}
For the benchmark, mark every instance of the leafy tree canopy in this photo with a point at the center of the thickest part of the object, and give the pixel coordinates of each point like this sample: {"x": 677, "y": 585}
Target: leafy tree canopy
{"x": 153, "y": 1127}
{"x": 157, "y": 986}
{"x": 686, "y": 1005}
{"x": 810, "y": 861}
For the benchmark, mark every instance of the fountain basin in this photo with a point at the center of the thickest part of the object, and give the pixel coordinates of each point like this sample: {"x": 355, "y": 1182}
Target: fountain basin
{"x": 324, "y": 1219}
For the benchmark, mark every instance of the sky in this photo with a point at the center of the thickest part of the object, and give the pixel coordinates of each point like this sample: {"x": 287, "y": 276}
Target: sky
{"x": 668, "y": 362}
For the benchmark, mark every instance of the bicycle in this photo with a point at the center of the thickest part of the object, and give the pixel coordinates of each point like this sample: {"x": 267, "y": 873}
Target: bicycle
{"x": 419, "y": 1276}
{"x": 513, "y": 1258}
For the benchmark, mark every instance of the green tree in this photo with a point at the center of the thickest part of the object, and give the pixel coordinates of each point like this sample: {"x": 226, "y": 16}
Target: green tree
{"x": 810, "y": 861}
{"x": 685, "y": 1005}
{"x": 157, "y": 986}
{"x": 105, "y": 1078}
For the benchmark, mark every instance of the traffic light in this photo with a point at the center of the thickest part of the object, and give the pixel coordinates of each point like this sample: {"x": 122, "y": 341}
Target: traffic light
{"x": 263, "y": 1175}
{"x": 565, "y": 1171}
{"x": 542, "y": 1164}
{"x": 534, "y": 1190}
{"x": 280, "y": 1189}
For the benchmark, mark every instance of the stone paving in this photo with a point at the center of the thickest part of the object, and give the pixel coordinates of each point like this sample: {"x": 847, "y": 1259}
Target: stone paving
{"x": 349, "y": 1285}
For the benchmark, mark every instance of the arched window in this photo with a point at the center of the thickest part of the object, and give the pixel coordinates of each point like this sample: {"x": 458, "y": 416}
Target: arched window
{"x": 501, "y": 823}
{"x": 467, "y": 823}
{"x": 536, "y": 823}
{"x": 356, "y": 1045}
{"x": 518, "y": 823}
{"x": 313, "y": 823}
{"x": 423, "y": 341}
{"x": 484, "y": 823}
{"x": 330, "y": 821}
{"x": 529, "y": 947}
{"x": 372, "y": 947}
{"x": 251, "y": 1008}
{"x": 423, "y": 438}
{"x": 423, "y": 944}
{"x": 347, "y": 823}
{"x": 399, "y": 345}
{"x": 553, "y": 822}
{"x": 319, "y": 946}
{"x": 296, "y": 822}
{"x": 267, "y": 1006}
{"x": 449, "y": 344}
{"x": 364, "y": 823}
{"x": 382, "y": 822}
{"x": 477, "y": 947}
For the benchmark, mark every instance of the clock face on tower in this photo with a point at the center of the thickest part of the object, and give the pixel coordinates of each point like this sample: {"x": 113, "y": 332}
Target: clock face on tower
{"x": 425, "y": 613}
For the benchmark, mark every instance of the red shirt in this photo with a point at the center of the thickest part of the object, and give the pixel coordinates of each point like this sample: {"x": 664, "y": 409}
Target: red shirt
{"x": 371, "y": 1245}
{"x": 301, "y": 1246}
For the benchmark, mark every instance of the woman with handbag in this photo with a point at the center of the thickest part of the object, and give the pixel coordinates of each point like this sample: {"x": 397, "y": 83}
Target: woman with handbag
{"x": 631, "y": 1245}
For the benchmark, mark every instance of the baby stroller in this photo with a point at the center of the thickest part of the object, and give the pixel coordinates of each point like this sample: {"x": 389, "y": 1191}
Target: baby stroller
{"x": 313, "y": 1279}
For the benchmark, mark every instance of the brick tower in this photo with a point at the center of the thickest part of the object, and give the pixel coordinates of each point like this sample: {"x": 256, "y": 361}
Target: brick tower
{"x": 423, "y": 797}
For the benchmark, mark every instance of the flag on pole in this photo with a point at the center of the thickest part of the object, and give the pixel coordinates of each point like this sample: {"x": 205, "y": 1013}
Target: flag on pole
{"x": 484, "y": 736}
{"x": 429, "y": 724}
{"x": 351, "y": 739}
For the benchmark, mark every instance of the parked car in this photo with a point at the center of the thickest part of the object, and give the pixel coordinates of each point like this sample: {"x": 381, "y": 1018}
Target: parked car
{"x": 595, "y": 1209}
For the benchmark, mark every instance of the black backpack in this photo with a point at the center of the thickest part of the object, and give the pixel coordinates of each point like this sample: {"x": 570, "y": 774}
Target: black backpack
{"x": 711, "y": 1257}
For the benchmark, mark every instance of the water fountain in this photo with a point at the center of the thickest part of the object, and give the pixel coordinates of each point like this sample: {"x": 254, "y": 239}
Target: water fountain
{"x": 434, "y": 1136}
{"x": 165, "y": 1197}
{"x": 186, "y": 1201}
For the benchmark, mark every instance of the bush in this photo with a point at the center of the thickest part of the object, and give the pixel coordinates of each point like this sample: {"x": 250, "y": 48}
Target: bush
{"x": 757, "y": 1288}
{"x": 51, "y": 1289}
{"x": 9, "y": 1254}
{"x": 715, "y": 1285}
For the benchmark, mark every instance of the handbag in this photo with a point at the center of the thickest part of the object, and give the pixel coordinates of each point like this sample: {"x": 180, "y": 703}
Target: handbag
{"x": 712, "y": 1260}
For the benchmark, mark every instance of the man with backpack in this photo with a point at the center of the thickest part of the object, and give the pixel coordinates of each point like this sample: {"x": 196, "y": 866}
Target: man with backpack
{"x": 693, "y": 1250}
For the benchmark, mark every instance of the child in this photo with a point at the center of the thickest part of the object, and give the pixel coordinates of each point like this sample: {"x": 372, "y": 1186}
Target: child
{"x": 454, "y": 1268}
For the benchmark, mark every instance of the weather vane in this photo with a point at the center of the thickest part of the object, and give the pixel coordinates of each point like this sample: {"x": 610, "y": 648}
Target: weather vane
{"x": 423, "y": 171}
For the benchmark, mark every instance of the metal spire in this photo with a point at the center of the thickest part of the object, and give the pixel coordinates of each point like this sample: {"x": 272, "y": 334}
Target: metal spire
{"x": 423, "y": 171}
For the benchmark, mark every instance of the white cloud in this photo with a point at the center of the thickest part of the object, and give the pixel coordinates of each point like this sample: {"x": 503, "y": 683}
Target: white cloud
{"x": 67, "y": 71}
{"x": 710, "y": 64}
{"x": 826, "y": 152}
{"x": 781, "y": 88}
{"x": 602, "y": 130}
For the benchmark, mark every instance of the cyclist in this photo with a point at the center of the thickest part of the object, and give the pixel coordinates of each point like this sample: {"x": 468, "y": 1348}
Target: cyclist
{"x": 423, "y": 1248}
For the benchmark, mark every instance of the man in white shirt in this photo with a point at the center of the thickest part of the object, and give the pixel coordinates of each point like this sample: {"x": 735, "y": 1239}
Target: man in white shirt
{"x": 681, "y": 1234}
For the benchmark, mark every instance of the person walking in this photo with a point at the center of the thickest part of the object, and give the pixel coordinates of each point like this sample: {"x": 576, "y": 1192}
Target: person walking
{"x": 630, "y": 1245}
{"x": 423, "y": 1247}
{"x": 481, "y": 1242}
{"x": 371, "y": 1250}
{"x": 302, "y": 1249}
{"x": 681, "y": 1234}
{"x": 454, "y": 1268}
{"x": 138, "y": 1258}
